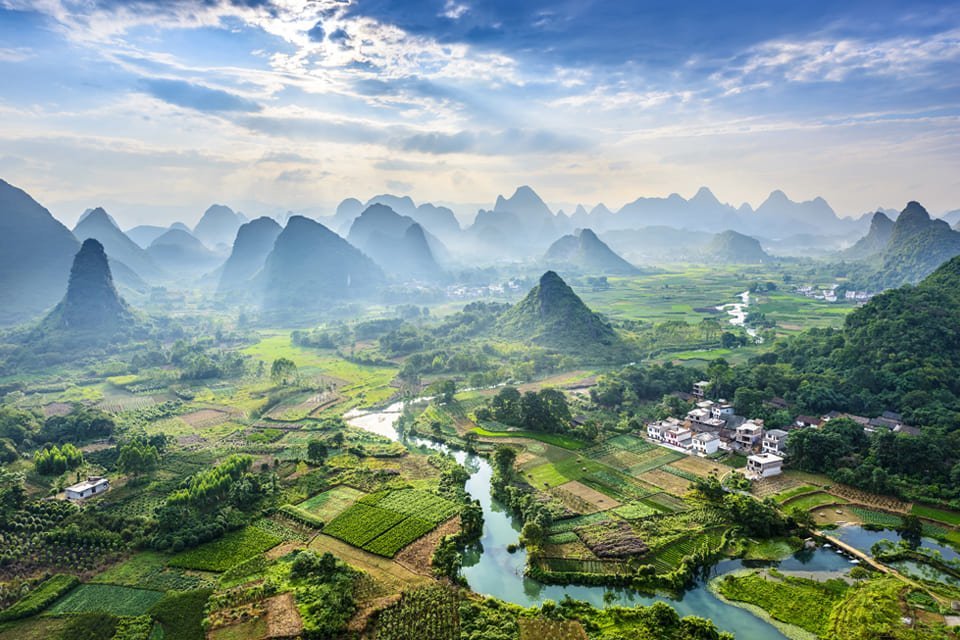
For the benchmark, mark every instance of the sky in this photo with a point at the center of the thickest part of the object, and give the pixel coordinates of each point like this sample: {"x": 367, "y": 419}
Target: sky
{"x": 156, "y": 109}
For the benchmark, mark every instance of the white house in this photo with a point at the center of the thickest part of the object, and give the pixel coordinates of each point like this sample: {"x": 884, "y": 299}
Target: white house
{"x": 700, "y": 388}
{"x": 764, "y": 465}
{"x": 655, "y": 431}
{"x": 749, "y": 434}
{"x": 678, "y": 437}
{"x": 721, "y": 411}
{"x": 92, "y": 486}
{"x": 775, "y": 441}
{"x": 705, "y": 444}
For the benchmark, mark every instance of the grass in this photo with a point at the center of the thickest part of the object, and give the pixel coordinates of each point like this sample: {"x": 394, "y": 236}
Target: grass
{"x": 552, "y": 474}
{"x": 181, "y": 614}
{"x": 148, "y": 570}
{"x": 331, "y": 503}
{"x": 365, "y": 385}
{"x": 797, "y": 601}
{"x": 34, "y": 629}
{"x": 933, "y": 513}
{"x": 772, "y": 549}
{"x": 107, "y": 598}
{"x": 812, "y": 501}
{"x": 231, "y": 549}
{"x": 557, "y": 440}
{"x": 783, "y": 496}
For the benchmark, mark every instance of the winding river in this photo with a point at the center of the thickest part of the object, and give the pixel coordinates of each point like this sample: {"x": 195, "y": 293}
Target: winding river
{"x": 494, "y": 571}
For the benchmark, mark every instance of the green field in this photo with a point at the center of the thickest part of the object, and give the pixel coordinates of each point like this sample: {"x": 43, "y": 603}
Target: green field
{"x": 550, "y": 438}
{"x": 933, "y": 513}
{"x": 797, "y": 601}
{"x": 385, "y": 522}
{"x": 551, "y": 474}
{"x": 231, "y": 549}
{"x": 331, "y": 503}
{"x": 148, "y": 570}
{"x": 107, "y": 598}
{"x": 812, "y": 501}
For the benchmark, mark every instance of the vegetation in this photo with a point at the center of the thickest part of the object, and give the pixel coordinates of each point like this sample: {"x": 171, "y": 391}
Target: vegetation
{"x": 232, "y": 549}
{"x": 797, "y": 601}
{"x": 40, "y": 598}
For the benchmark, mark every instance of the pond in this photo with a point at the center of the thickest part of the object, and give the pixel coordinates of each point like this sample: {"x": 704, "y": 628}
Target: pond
{"x": 492, "y": 570}
{"x": 863, "y": 539}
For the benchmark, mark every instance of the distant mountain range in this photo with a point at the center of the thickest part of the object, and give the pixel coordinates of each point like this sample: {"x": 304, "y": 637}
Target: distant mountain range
{"x": 397, "y": 243}
{"x": 876, "y": 240}
{"x": 254, "y": 243}
{"x": 584, "y": 251}
{"x": 179, "y": 252}
{"x": 218, "y": 226}
{"x": 310, "y": 266}
{"x": 730, "y": 247}
{"x": 36, "y": 252}
{"x": 97, "y": 224}
{"x": 917, "y": 245}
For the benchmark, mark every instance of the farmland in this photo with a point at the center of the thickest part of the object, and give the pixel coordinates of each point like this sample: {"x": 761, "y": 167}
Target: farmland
{"x": 106, "y": 598}
{"x": 385, "y": 522}
{"x": 232, "y": 549}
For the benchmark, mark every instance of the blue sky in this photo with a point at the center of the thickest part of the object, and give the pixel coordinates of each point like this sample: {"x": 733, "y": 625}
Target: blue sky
{"x": 156, "y": 109}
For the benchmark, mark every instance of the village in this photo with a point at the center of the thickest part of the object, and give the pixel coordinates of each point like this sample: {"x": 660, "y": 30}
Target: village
{"x": 713, "y": 428}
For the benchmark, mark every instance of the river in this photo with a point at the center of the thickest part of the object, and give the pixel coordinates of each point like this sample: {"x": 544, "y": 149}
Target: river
{"x": 494, "y": 571}
{"x": 738, "y": 313}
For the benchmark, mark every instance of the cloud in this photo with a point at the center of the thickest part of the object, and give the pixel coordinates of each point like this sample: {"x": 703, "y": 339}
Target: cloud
{"x": 508, "y": 141}
{"x": 834, "y": 60}
{"x": 18, "y": 54}
{"x": 196, "y": 96}
{"x": 295, "y": 175}
{"x": 454, "y": 10}
{"x": 399, "y": 185}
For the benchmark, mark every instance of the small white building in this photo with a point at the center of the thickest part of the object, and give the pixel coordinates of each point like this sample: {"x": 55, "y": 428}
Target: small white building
{"x": 700, "y": 388}
{"x": 92, "y": 486}
{"x": 705, "y": 444}
{"x": 721, "y": 411}
{"x": 655, "y": 431}
{"x": 775, "y": 441}
{"x": 764, "y": 465}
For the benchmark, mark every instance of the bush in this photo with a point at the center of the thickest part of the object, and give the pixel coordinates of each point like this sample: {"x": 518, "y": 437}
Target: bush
{"x": 40, "y": 598}
{"x": 181, "y": 614}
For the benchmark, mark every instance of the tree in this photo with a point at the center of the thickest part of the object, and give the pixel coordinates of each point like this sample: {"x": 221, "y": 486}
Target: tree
{"x": 505, "y": 406}
{"x": 503, "y": 459}
{"x": 12, "y": 494}
{"x": 138, "y": 456}
{"x": 316, "y": 451}
{"x": 448, "y": 388}
{"x": 283, "y": 371}
{"x": 911, "y": 531}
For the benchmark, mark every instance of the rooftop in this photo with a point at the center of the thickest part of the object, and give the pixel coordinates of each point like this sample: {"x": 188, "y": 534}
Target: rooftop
{"x": 89, "y": 483}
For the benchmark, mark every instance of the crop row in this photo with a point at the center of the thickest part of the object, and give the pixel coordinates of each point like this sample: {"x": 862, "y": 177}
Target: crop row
{"x": 422, "y": 504}
{"x": 361, "y": 523}
{"x": 398, "y": 537}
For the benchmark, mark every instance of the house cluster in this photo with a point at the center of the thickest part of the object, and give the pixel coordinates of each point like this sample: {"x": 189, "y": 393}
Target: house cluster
{"x": 857, "y": 296}
{"x": 713, "y": 426}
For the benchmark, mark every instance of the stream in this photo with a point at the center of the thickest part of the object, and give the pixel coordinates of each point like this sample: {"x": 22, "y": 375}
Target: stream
{"x": 493, "y": 571}
{"x": 738, "y": 313}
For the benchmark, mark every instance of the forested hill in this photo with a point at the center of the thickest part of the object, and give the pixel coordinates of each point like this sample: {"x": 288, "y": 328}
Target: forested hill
{"x": 901, "y": 351}
{"x": 553, "y": 316}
